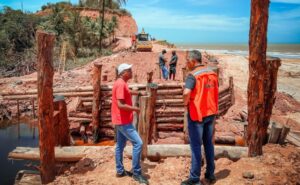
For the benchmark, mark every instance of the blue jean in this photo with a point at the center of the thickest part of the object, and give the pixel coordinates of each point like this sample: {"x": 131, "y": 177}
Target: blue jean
{"x": 165, "y": 72}
{"x": 124, "y": 133}
{"x": 198, "y": 132}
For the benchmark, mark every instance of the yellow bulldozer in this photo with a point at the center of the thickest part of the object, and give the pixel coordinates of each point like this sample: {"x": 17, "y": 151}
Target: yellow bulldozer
{"x": 142, "y": 42}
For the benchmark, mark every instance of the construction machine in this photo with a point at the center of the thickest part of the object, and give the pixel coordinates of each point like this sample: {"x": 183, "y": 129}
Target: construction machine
{"x": 142, "y": 42}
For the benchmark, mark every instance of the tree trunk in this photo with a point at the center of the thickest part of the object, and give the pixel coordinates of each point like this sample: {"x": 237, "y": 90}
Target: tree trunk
{"x": 96, "y": 98}
{"x": 45, "y": 106}
{"x": 102, "y": 11}
{"x": 262, "y": 78}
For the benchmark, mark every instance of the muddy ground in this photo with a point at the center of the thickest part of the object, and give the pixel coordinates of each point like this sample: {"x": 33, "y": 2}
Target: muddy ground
{"x": 279, "y": 165}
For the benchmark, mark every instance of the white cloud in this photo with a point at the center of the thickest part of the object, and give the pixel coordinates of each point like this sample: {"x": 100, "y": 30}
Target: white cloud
{"x": 286, "y": 1}
{"x": 154, "y": 17}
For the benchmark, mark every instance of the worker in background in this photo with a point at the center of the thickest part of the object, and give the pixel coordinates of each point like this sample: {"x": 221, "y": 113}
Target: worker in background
{"x": 200, "y": 98}
{"x": 162, "y": 64}
{"x": 133, "y": 41}
{"x": 122, "y": 117}
{"x": 173, "y": 64}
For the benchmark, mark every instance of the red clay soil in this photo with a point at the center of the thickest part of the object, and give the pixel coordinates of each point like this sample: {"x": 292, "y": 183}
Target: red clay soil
{"x": 278, "y": 165}
{"x": 126, "y": 24}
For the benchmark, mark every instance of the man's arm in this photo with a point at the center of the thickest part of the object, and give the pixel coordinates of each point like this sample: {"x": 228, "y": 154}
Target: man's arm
{"x": 186, "y": 96}
{"x": 132, "y": 92}
{"x": 190, "y": 83}
{"x": 122, "y": 105}
{"x": 137, "y": 93}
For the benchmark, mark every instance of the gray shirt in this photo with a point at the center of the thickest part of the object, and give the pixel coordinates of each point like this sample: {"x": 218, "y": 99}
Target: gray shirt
{"x": 190, "y": 82}
{"x": 161, "y": 60}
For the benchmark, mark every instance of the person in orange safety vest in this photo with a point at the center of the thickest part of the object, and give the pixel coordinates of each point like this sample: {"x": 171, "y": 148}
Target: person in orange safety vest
{"x": 200, "y": 98}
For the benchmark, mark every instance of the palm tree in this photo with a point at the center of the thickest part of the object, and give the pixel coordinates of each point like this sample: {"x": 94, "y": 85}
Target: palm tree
{"x": 102, "y": 11}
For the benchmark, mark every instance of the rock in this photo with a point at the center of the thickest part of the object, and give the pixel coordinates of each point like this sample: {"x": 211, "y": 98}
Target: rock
{"x": 223, "y": 162}
{"x": 73, "y": 168}
{"x": 67, "y": 173}
{"x": 248, "y": 175}
{"x": 18, "y": 82}
{"x": 87, "y": 162}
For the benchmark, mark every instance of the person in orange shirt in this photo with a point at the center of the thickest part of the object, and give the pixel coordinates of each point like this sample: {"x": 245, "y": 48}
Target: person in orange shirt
{"x": 200, "y": 98}
{"x": 122, "y": 117}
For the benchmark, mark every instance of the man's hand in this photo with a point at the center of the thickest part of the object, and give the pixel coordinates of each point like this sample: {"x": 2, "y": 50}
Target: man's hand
{"x": 132, "y": 92}
{"x": 137, "y": 110}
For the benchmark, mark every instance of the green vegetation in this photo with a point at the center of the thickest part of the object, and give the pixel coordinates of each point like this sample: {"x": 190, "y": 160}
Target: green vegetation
{"x": 80, "y": 36}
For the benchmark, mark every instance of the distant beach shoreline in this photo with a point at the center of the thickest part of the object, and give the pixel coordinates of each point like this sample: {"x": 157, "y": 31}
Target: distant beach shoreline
{"x": 287, "y": 51}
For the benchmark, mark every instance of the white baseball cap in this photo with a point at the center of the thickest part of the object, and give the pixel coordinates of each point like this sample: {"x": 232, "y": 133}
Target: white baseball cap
{"x": 123, "y": 67}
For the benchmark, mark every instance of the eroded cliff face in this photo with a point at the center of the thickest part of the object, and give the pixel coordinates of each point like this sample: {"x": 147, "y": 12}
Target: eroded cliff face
{"x": 126, "y": 24}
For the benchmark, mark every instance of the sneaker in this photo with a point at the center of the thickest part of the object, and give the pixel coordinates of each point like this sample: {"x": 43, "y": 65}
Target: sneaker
{"x": 124, "y": 173}
{"x": 141, "y": 179}
{"x": 190, "y": 182}
{"x": 210, "y": 178}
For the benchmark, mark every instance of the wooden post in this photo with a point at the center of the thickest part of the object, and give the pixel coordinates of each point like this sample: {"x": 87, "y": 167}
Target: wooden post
{"x": 33, "y": 108}
{"x": 275, "y": 133}
{"x": 231, "y": 89}
{"x": 135, "y": 99}
{"x": 144, "y": 122}
{"x": 149, "y": 77}
{"x": 18, "y": 109}
{"x": 152, "y": 92}
{"x": 116, "y": 73}
{"x": 283, "y": 134}
{"x": 158, "y": 71}
{"x": 63, "y": 132}
{"x": 45, "y": 105}
{"x": 262, "y": 78}
{"x": 135, "y": 78}
{"x": 184, "y": 73}
{"x": 96, "y": 100}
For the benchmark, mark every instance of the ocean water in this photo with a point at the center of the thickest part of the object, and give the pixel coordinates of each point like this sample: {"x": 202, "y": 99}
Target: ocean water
{"x": 13, "y": 136}
{"x": 287, "y": 51}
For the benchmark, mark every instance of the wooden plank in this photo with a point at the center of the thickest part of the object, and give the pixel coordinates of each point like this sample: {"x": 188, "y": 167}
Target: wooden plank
{"x": 162, "y": 151}
{"x": 62, "y": 154}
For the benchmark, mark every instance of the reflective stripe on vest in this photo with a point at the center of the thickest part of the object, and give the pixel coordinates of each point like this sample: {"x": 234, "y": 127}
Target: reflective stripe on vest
{"x": 201, "y": 71}
{"x": 204, "y": 101}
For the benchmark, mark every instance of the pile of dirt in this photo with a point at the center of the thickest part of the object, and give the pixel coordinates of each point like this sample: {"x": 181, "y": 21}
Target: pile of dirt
{"x": 278, "y": 165}
{"x": 286, "y": 103}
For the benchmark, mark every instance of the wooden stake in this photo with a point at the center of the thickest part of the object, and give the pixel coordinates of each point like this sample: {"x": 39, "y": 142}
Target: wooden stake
{"x": 231, "y": 87}
{"x": 275, "y": 133}
{"x": 184, "y": 73}
{"x": 152, "y": 91}
{"x": 18, "y": 109}
{"x": 283, "y": 134}
{"x": 262, "y": 82}
{"x": 144, "y": 122}
{"x": 135, "y": 99}
{"x": 33, "y": 108}
{"x": 63, "y": 132}
{"x": 96, "y": 99}
{"x": 158, "y": 71}
{"x": 45, "y": 105}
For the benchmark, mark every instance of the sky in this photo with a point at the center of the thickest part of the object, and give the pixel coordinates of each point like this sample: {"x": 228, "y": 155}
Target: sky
{"x": 201, "y": 21}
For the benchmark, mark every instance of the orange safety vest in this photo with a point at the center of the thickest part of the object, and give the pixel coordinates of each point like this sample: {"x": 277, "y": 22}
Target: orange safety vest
{"x": 204, "y": 96}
